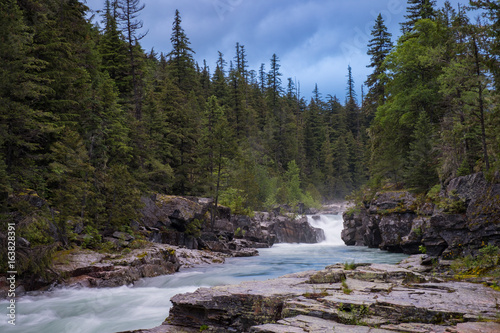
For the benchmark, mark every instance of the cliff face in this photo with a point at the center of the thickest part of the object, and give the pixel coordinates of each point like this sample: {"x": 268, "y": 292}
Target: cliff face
{"x": 461, "y": 220}
{"x": 186, "y": 222}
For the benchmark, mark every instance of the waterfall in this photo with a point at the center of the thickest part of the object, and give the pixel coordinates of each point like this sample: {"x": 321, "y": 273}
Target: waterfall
{"x": 332, "y": 225}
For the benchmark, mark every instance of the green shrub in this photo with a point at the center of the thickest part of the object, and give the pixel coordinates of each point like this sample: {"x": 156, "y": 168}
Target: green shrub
{"x": 91, "y": 238}
{"x": 486, "y": 263}
{"x": 349, "y": 265}
{"x": 193, "y": 228}
{"x": 236, "y": 200}
{"x": 139, "y": 244}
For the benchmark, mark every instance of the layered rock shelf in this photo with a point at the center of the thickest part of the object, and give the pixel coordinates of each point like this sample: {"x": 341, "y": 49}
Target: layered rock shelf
{"x": 86, "y": 268}
{"x": 370, "y": 298}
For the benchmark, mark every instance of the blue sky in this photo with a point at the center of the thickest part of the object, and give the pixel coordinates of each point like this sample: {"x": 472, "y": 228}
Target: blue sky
{"x": 315, "y": 40}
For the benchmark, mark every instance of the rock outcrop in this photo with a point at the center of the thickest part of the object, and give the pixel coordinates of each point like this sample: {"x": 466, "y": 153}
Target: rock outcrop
{"x": 186, "y": 222}
{"x": 86, "y": 268}
{"x": 295, "y": 231}
{"x": 464, "y": 218}
{"x": 370, "y": 298}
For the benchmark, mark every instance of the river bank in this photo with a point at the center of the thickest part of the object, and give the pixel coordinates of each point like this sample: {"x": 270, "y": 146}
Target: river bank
{"x": 146, "y": 303}
{"x": 173, "y": 232}
{"x": 340, "y": 298}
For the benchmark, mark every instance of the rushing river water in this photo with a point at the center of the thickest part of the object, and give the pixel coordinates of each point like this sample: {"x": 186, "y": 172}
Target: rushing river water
{"x": 146, "y": 304}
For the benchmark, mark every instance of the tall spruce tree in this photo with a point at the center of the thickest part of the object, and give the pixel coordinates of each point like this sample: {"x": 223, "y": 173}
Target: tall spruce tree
{"x": 421, "y": 168}
{"x": 464, "y": 83}
{"x": 21, "y": 123}
{"x": 113, "y": 51}
{"x": 218, "y": 148}
{"x": 274, "y": 83}
{"x": 181, "y": 57}
{"x": 219, "y": 83}
{"x": 413, "y": 88}
{"x": 378, "y": 48}
{"x": 128, "y": 14}
{"x": 492, "y": 13}
{"x": 352, "y": 109}
{"x": 416, "y": 10}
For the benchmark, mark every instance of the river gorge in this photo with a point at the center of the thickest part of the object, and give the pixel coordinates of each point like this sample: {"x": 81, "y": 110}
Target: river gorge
{"x": 146, "y": 303}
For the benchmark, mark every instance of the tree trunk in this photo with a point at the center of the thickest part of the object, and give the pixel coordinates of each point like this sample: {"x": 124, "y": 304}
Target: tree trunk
{"x": 481, "y": 105}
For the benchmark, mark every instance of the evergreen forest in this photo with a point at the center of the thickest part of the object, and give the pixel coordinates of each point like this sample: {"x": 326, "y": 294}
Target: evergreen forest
{"x": 90, "y": 122}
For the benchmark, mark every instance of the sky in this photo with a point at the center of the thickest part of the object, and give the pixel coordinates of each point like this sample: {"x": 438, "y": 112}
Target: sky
{"x": 315, "y": 40}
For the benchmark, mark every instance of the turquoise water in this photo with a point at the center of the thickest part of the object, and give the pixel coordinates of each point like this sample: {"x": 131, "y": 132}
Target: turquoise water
{"x": 146, "y": 304}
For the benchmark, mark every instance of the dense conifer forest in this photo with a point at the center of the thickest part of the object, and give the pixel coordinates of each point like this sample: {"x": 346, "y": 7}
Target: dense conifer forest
{"x": 90, "y": 121}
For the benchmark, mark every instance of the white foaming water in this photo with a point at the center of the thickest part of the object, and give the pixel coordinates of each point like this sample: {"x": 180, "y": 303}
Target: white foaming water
{"x": 332, "y": 225}
{"x": 147, "y": 303}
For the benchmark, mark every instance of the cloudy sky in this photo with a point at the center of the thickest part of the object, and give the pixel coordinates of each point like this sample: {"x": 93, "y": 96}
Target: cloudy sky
{"x": 315, "y": 40}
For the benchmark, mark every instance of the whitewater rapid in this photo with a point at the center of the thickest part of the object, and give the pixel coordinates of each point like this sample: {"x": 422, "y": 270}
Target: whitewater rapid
{"x": 332, "y": 225}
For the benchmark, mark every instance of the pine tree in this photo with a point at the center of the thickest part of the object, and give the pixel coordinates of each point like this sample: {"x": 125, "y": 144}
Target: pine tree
{"x": 218, "y": 148}
{"x": 418, "y": 9}
{"x": 262, "y": 78}
{"x": 70, "y": 181}
{"x": 421, "y": 171}
{"x": 205, "y": 83}
{"x": 113, "y": 51}
{"x": 21, "y": 125}
{"x": 181, "y": 57}
{"x": 128, "y": 13}
{"x": 378, "y": 48}
{"x": 463, "y": 83}
{"x": 237, "y": 107}
{"x": 336, "y": 118}
{"x": 274, "y": 84}
{"x": 413, "y": 88}
{"x": 492, "y": 13}
{"x": 219, "y": 80}
{"x": 313, "y": 138}
{"x": 292, "y": 183}
{"x": 352, "y": 109}
{"x": 356, "y": 160}
{"x": 327, "y": 167}
{"x": 343, "y": 180}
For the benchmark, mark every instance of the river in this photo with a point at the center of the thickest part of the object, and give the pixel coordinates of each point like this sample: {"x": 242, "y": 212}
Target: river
{"x": 146, "y": 304}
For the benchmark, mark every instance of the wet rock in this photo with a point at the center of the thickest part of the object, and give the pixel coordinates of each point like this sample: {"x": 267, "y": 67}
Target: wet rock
{"x": 290, "y": 230}
{"x": 191, "y": 258}
{"x": 245, "y": 253}
{"x": 392, "y": 297}
{"x": 86, "y": 268}
{"x": 358, "y": 230}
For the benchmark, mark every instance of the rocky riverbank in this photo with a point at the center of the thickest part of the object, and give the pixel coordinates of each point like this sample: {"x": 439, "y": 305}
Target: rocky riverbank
{"x": 84, "y": 268}
{"x": 459, "y": 220}
{"x": 368, "y": 298}
{"x": 173, "y": 232}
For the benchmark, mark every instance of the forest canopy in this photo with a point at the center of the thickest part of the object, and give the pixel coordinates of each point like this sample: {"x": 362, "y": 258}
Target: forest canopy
{"x": 90, "y": 122}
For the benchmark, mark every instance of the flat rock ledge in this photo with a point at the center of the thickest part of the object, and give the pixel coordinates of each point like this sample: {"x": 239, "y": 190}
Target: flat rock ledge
{"x": 86, "y": 268}
{"x": 372, "y": 298}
